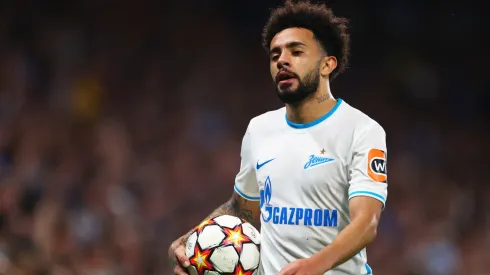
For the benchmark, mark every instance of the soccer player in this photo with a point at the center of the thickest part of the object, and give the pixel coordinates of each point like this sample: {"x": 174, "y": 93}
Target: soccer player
{"x": 314, "y": 171}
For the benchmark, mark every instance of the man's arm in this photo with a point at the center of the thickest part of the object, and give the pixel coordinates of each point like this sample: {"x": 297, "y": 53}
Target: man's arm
{"x": 240, "y": 207}
{"x": 365, "y": 213}
{"x": 368, "y": 190}
{"x": 236, "y": 206}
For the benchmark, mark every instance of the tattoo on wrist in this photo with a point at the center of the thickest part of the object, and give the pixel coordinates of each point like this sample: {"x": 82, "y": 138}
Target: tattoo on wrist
{"x": 184, "y": 240}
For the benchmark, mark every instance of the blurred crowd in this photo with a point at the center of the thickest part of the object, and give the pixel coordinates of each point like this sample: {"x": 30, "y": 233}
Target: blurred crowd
{"x": 121, "y": 124}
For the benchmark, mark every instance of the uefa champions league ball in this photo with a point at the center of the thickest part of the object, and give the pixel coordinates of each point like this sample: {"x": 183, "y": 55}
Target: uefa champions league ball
{"x": 224, "y": 245}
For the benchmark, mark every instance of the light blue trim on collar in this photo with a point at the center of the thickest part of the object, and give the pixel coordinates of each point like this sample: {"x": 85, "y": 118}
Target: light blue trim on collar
{"x": 317, "y": 121}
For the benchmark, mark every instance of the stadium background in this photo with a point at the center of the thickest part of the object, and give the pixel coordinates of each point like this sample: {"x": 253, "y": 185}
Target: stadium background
{"x": 121, "y": 122}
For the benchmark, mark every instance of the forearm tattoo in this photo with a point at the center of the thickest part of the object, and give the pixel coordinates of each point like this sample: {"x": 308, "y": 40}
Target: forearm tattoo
{"x": 236, "y": 207}
{"x": 241, "y": 209}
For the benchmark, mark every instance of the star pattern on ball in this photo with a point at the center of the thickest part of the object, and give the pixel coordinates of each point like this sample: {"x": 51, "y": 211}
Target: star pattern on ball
{"x": 235, "y": 237}
{"x": 201, "y": 226}
{"x": 240, "y": 271}
{"x": 200, "y": 260}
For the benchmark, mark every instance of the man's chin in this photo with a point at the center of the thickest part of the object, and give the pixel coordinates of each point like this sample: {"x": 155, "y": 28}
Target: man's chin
{"x": 287, "y": 91}
{"x": 290, "y": 96}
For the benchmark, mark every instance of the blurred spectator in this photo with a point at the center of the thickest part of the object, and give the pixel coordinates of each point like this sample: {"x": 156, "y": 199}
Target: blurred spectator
{"x": 120, "y": 129}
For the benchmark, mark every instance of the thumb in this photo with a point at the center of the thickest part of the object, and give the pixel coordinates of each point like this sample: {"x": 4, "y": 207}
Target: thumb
{"x": 287, "y": 270}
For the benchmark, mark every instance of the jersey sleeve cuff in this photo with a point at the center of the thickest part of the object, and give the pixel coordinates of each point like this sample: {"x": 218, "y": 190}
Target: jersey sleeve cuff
{"x": 371, "y": 194}
{"x": 245, "y": 196}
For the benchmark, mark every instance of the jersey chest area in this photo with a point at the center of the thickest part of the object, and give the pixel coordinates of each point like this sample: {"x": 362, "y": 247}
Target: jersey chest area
{"x": 300, "y": 167}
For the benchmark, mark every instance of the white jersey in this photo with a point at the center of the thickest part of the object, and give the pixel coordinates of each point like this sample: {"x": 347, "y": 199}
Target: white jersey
{"x": 304, "y": 176}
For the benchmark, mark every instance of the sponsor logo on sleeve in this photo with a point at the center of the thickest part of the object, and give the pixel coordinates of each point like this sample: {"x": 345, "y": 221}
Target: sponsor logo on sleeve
{"x": 377, "y": 169}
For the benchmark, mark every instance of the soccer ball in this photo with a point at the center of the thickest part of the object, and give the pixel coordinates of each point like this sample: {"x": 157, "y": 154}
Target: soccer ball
{"x": 224, "y": 245}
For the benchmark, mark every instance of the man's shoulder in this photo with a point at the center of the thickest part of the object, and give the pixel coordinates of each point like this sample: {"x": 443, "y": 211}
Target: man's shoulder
{"x": 357, "y": 119}
{"x": 268, "y": 120}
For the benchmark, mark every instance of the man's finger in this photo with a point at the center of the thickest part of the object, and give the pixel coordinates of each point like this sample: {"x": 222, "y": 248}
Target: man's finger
{"x": 181, "y": 257}
{"x": 287, "y": 270}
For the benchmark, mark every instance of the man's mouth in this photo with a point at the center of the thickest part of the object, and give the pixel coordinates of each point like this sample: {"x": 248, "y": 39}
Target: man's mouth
{"x": 284, "y": 77}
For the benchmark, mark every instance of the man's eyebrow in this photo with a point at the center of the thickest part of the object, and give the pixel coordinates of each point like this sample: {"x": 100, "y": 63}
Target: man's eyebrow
{"x": 289, "y": 45}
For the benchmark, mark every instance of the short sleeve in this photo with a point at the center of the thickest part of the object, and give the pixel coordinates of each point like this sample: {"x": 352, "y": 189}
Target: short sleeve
{"x": 368, "y": 170}
{"x": 245, "y": 181}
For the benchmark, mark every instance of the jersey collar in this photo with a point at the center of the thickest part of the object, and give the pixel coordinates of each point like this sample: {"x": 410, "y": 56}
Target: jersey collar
{"x": 315, "y": 122}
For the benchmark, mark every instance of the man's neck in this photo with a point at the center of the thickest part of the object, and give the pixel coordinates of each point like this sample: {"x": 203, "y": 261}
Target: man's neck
{"x": 311, "y": 108}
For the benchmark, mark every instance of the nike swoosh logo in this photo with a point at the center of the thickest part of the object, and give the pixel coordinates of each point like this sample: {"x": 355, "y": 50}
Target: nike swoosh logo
{"x": 263, "y": 163}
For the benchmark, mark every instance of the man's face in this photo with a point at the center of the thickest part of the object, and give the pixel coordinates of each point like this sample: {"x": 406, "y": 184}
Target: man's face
{"x": 295, "y": 60}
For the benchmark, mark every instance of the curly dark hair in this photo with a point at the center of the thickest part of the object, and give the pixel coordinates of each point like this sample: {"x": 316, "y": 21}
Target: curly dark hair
{"x": 330, "y": 31}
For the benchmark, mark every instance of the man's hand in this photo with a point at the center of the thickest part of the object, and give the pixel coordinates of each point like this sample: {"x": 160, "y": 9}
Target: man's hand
{"x": 302, "y": 267}
{"x": 177, "y": 257}
{"x": 236, "y": 206}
